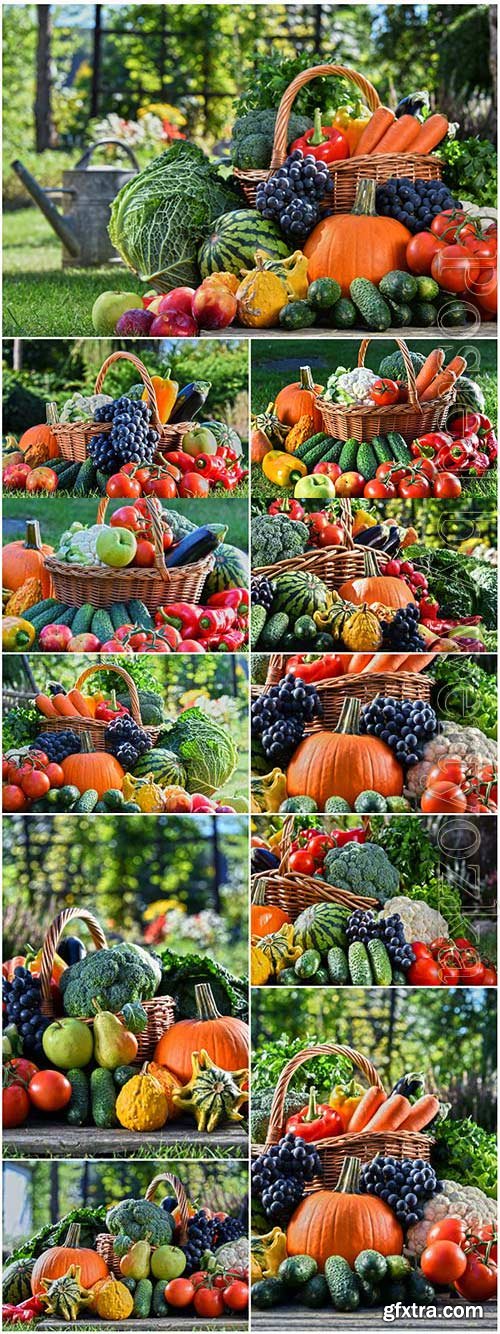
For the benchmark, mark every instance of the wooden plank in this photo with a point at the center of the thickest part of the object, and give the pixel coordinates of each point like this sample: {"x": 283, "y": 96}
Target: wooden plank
{"x": 485, "y": 330}
{"x": 62, "y": 1141}
{"x": 297, "y": 1319}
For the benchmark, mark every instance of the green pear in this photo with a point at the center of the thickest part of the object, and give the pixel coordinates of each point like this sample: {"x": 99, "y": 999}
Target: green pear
{"x": 108, "y": 307}
{"x": 135, "y": 1264}
{"x": 113, "y": 1044}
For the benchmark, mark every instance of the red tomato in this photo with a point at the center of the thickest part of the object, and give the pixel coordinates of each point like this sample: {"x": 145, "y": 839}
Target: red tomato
{"x": 447, "y": 770}
{"x": 461, "y": 943}
{"x": 193, "y": 484}
{"x": 478, "y": 1282}
{"x": 384, "y": 393}
{"x": 120, "y": 485}
{"x": 331, "y": 535}
{"x": 236, "y": 1296}
{"x": 55, "y": 774}
{"x": 163, "y": 487}
{"x": 443, "y": 1262}
{"x": 379, "y": 490}
{"x": 141, "y": 474}
{"x": 350, "y": 484}
{"x": 420, "y": 950}
{"x": 447, "y": 487}
{"x": 15, "y": 1106}
{"x": 127, "y": 516}
{"x": 319, "y": 846}
{"x": 302, "y": 862}
{"x": 145, "y": 554}
{"x": 490, "y": 979}
{"x": 472, "y": 974}
{"x": 448, "y": 1229}
{"x": 179, "y": 1292}
{"x": 13, "y": 798}
{"x": 455, "y": 269}
{"x": 425, "y": 468}
{"x": 389, "y": 472}
{"x": 440, "y": 943}
{"x": 421, "y": 250}
{"x": 208, "y": 1302}
{"x": 49, "y": 1090}
{"x": 424, "y": 973}
{"x": 414, "y": 488}
{"x": 486, "y": 1236}
{"x": 450, "y": 974}
{"x": 318, "y": 519}
{"x": 443, "y": 797}
{"x": 35, "y": 784}
{"x": 451, "y": 221}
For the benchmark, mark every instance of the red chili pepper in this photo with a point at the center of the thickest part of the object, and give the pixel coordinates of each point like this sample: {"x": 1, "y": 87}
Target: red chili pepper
{"x": 106, "y": 712}
{"x": 284, "y": 505}
{"x": 182, "y": 615}
{"x": 427, "y": 446}
{"x": 212, "y": 620}
{"x": 179, "y": 459}
{"x": 231, "y": 597}
{"x": 316, "y": 1121}
{"x": 227, "y": 642}
{"x": 31, "y": 1304}
{"x": 325, "y": 142}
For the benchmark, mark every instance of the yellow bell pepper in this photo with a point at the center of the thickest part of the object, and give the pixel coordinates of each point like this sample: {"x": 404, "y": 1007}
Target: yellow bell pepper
{"x": 17, "y": 634}
{"x": 282, "y": 469}
{"x": 344, "y": 1099}
{"x": 352, "y": 121}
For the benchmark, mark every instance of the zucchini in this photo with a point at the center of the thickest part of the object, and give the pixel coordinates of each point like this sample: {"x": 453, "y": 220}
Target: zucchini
{"x": 380, "y": 962}
{"x": 138, "y": 614}
{"x": 119, "y": 614}
{"x": 338, "y": 970}
{"x": 83, "y": 619}
{"x": 297, "y": 1269}
{"x": 86, "y": 480}
{"x": 302, "y": 450}
{"x": 366, "y": 462}
{"x": 370, "y": 304}
{"x": 77, "y": 1109}
{"x": 102, "y": 625}
{"x": 348, "y": 455}
{"x": 143, "y": 1297}
{"x": 274, "y": 630}
{"x": 87, "y": 802}
{"x": 103, "y": 1099}
{"x": 399, "y": 448}
{"x": 381, "y": 449}
{"x": 191, "y": 548}
{"x": 343, "y": 1285}
{"x": 359, "y": 965}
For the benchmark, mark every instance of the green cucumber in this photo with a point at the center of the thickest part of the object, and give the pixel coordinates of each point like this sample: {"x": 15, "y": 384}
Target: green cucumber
{"x": 87, "y": 802}
{"x": 371, "y": 304}
{"x": 77, "y": 1109}
{"x": 380, "y": 962}
{"x": 143, "y": 1297}
{"x": 102, "y": 480}
{"x": 113, "y": 799}
{"x": 344, "y": 314}
{"x": 338, "y": 970}
{"x": 333, "y": 453}
{"x": 68, "y": 477}
{"x": 83, "y": 619}
{"x": 302, "y": 450}
{"x": 49, "y": 617}
{"x": 317, "y": 454}
{"x": 274, "y": 630}
{"x": 297, "y": 1269}
{"x": 343, "y": 1285}
{"x": 103, "y": 1099}
{"x": 268, "y": 1292}
{"x": 258, "y": 620}
{"x": 139, "y": 614}
{"x": 359, "y": 965}
{"x": 381, "y": 449}
{"x": 348, "y": 455}
{"x": 306, "y": 966}
{"x": 39, "y": 608}
{"x": 314, "y": 1293}
{"x": 371, "y": 1265}
{"x": 366, "y": 462}
{"x": 102, "y": 625}
{"x": 86, "y": 480}
{"x": 119, "y": 614}
{"x": 399, "y": 448}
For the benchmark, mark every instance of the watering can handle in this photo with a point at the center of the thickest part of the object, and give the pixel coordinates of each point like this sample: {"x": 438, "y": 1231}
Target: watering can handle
{"x": 99, "y": 143}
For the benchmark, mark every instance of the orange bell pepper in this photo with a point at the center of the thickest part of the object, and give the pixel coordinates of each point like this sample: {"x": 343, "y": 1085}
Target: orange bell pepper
{"x": 166, "y": 391}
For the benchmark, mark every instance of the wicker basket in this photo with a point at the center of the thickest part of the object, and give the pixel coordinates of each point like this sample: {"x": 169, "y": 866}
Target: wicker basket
{"x": 94, "y": 726}
{"x": 160, "y": 1010}
{"x": 345, "y": 175}
{"x": 334, "y": 690}
{"x": 105, "y": 1240}
{"x": 293, "y": 892}
{"x": 156, "y": 586}
{"x": 398, "y": 1143}
{"x": 334, "y": 565}
{"x": 73, "y": 437}
{"x": 364, "y": 422}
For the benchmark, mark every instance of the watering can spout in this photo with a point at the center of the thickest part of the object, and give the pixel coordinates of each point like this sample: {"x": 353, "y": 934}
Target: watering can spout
{"x": 41, "y": 197}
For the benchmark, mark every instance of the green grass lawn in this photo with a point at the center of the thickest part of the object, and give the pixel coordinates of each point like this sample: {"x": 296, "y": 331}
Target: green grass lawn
{"x": 55, "y": 513}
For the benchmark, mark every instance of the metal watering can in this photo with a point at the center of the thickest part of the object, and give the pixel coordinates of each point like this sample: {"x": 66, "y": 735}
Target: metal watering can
{"x": 87, "y": 193}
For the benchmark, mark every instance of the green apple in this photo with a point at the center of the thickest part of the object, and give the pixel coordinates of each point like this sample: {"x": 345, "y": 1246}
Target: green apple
{"x": 199, "y": 441}
{"x": 168, "y": 1262}
{"x": 116, "y": 546}
{"x": 68, "y": 1044}
{"x": 108, "y": 308}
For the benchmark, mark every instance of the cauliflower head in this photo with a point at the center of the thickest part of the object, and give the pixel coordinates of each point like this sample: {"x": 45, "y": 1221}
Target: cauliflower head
{"x": 455, "y": 1201}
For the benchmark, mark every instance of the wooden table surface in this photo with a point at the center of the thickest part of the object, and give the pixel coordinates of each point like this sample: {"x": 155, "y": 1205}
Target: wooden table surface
{"x": 486, "y": 330}
{"x": 62, "y": 1141}
{"x": 297, "y": 1319}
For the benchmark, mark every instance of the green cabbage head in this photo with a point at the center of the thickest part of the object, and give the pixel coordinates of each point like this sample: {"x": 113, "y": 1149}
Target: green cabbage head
{"x": 206, "y": 750}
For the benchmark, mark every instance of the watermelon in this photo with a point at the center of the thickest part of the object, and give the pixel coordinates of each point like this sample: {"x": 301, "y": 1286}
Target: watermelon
{"x": 225, "y": 435}
{"x": 230, "y": 571}
{"x": 235, "y": 238}
{"x": 165, "y": 767}
{"x": 320, "y": 926}
{"x": 16, "y": 1281}
{"x": 469, "y": 395}
{"x": 299, "y": 594}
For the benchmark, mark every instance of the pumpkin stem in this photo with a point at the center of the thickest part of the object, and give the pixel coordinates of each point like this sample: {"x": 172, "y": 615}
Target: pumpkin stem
{"x": 349, "y": 719}
{"x": 370, "y": 566}
{"x": 305, "y": 378}
{"x": 205, "y": 1002}
{"x": 348, "y": 1181}
{"x": 87, "y": 746}
{"x": 33, "y": 540}
{"x": 364, "y": 202}
{"x": 312, "y": 1108}
{"x": 73, "y": 1235}
{"x": 259, "y": 893}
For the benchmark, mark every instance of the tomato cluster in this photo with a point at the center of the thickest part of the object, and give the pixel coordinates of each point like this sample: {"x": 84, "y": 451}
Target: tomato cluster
{"x": 451, "y": 788}
{"x": 28, "y": 778}
{"x": 415, "y": 481}
{"x": 458, "y": 1257}
{"x": 449, "y": 963}
{"x": 211, "y": 1294}
{"x": 26, "y": 1086}
{"x": 178, "y": 474}
{"x": 309, "y": 848}
{"x": 460, "y": 253}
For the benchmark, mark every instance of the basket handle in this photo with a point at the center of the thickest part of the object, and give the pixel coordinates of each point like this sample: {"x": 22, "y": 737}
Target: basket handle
{"x": 53, "y": 937}
{"x": 276, "y": 1119}
{"x": 145, "y": 377}
{"x": 120, "y": 671}
{"x": 282, "y": 119}
{"x": 171, "y": 1180}
{"x": 412, "y": 385}
{"x": 154, "y": 510}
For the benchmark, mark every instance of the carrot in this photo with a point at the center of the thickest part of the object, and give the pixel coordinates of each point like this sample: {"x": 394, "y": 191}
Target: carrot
{"x": 430, "y": 134}
{"x": 370, "y": 1102}
{"x": 400, "y": 137}
{"x": 458, "y": 366}
{"x": 381, "y": 120}
{"x": 75, "y": 697}
{"x": 431, "y": 367}
{"x": 64, "y": 707}
{"x": 421, "y": 1113}
{"x": 359, "y": 663}
{"x": 44, "y": 705}
{"x": 391, "y": 1115}
{"x": 385, "y": 662}
{"x": 441, "y": 384}
{"x": 415, "y": 662}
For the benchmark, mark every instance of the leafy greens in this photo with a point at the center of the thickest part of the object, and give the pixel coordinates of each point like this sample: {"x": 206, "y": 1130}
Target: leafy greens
{"x": 182, "y": 973}
{"x": 207, "y": 752}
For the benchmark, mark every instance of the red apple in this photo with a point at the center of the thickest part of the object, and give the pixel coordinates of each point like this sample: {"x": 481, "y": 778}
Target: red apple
{"x": 15, "y": 476}
{"x": 127, "y": 517}
{"x": 84, "y": 643}
{"x": 55, "y": 638}
{"x": 214, "y": 307}
{"x": 180, "y": 298}
{"x": 174, "y": 324}
{"x": 42, "y": 479}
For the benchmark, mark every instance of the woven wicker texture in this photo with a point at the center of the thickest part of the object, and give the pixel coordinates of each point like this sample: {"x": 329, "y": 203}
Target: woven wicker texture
{"x": 333, "y": 691}
{"x": 292, "y": 892}
{"x": 363, "y": 422}
{"x": 105, "y": 1241}
{"x": 156, "y": 586}
{"x": 334, "y": 565}
{"x": 94, "y": 726}
{"x": 401, "y": 1144}
{"x": 73, "y": 437}
{"x": 344, "y": 175}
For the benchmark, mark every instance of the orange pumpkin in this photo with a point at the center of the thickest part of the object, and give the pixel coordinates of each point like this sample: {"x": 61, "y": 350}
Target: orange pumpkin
{"x": 343, "y": 764}
{"x": 358, "y": 244}
{"x": 374, "y": 587}
{"x": 38, "y": 444}
{"x": 298, "y": 400}
{"x": 92, "y": 769}
{"x": 223, "y": 1037}
{"x": 343, "y": 1222}
{"x": 264, "y": 917}
{"x": 58, "y": 1259}
{"x": 25, "y": 560}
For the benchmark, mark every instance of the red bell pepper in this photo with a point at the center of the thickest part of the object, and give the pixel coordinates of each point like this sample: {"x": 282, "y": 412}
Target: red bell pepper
{"x": 232, "y": 477}
{"x": 106, "y": 712}
{"x": 227, "y": 641}
{"x": 316, "y": 1121}
{"x": 325, "y": 142}
{"x": 427, "y": 446}
{"x": 453, "y": 457}
{"x": 428, "y": 608}
{"x": 312, "y": 668}
{"x": 343, "y": 836}
{"x": 182, "y": 615}
{"x": 211, "y": 466}
{"x": 287, "y": 506}
{"x": 463, "y": 423}
{"x": 231, "y": 597}
{"x": 215, "y": 620}
{"x": 489, "y": 444}
{"x": 478, "y": 463}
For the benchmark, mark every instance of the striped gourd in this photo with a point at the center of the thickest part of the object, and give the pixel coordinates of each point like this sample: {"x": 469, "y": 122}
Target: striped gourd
{"x": 230, "y": 570}
{"x": 234, "y": 239}
{"x": 320, "y": 926}
{"x": 166, "y": 768}
{"x": 299, "y": 594}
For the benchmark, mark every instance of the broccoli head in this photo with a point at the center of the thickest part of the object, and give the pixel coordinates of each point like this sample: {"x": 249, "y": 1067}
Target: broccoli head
{"x": 253, "y": 137}
{"x": 115, "y": 977}
{"x": 141, "y": 1220}
{"x": 362, "y": 868}
{"x": 276, "y": 537}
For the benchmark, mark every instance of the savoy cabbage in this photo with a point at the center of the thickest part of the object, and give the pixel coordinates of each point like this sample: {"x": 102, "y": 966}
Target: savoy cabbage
{"x": 160, "y": 217}
{"x": 206, "y": 750}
